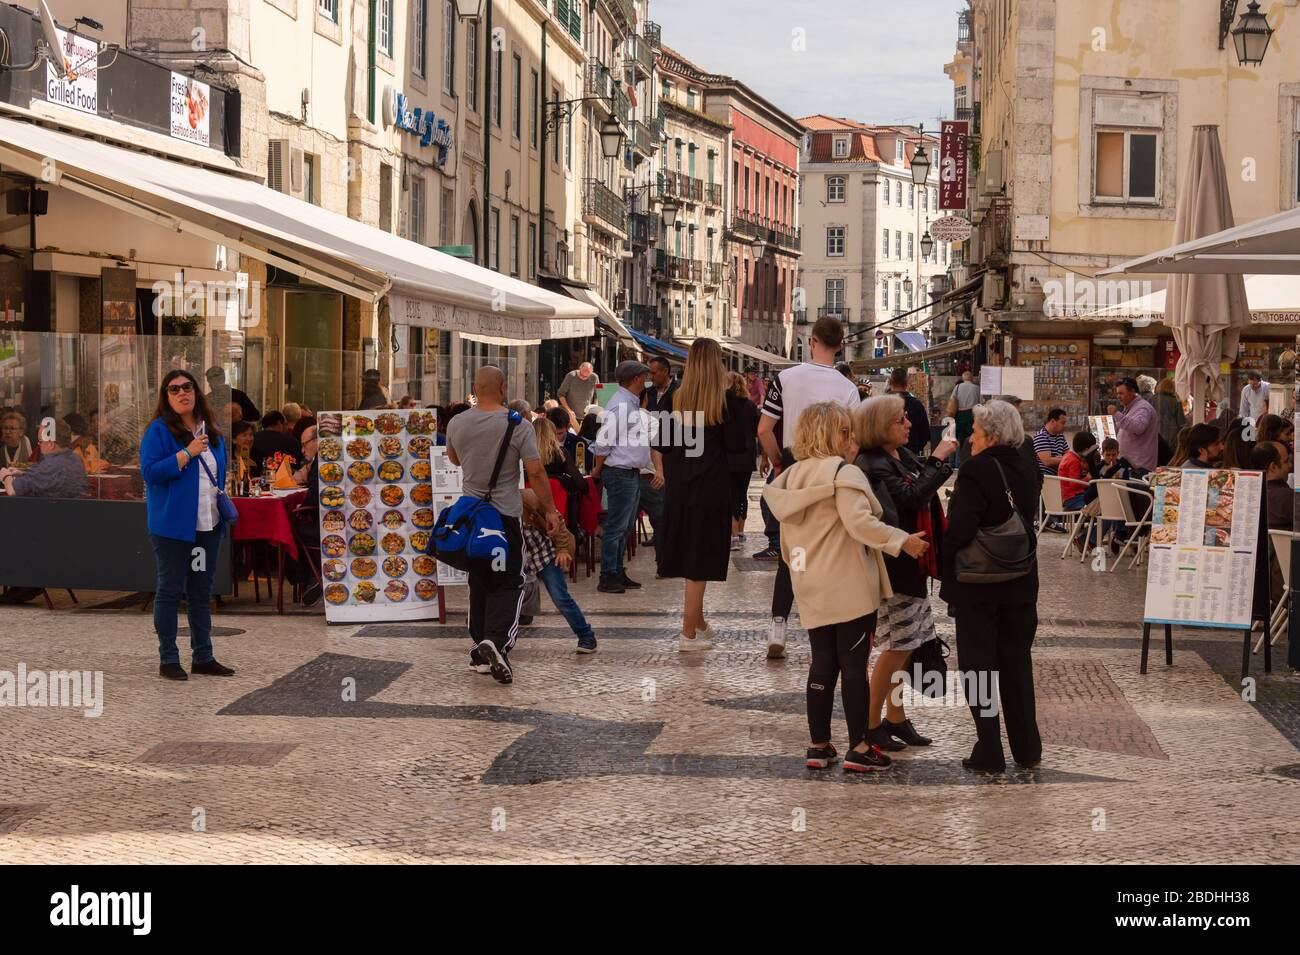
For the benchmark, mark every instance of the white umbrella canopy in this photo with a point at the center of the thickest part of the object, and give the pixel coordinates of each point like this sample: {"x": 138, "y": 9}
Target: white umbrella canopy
{"x": 1205, "y": 311}
{"x": 1270, "y": 298}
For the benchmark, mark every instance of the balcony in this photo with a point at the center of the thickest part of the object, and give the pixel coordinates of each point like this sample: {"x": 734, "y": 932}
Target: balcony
{"x": 598, "y": 81}
{"x": 622, "y": 105}
{"x": 835, "y": 312}
{"x": 642, "y": 228}
{"x": 674, "y": 268}
{"x": 963, "y": 114}
{"x": 624, "y": 10}
{"x": 640, "y": 57}
{"x": 653, "y": 34}
{"x": 681, "y": 186}
{"x": 603, "y": 204}
{"x": 714, "y": 273}
{"x": 642, "y": 141}
{"x": 750, "y": 226}
{"x": 713, "y": 194}
{"x": 963, "y": 27}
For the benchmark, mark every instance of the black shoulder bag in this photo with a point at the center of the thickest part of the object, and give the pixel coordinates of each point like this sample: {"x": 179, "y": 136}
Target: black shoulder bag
{"x": 997, "y": 554}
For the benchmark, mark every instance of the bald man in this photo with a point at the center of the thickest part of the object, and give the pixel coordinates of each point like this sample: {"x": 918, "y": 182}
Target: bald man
{"x": 577, "y": 390}
{"x": 496, "y": 588}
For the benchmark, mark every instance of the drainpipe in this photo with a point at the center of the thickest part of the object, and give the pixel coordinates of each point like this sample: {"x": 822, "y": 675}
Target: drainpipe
{"x": 489, "y": 62}
{"x": 541, "y": 212}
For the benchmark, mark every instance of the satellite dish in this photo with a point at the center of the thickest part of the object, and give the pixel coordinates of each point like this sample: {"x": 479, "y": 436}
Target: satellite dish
{"x": 51, "y": 34}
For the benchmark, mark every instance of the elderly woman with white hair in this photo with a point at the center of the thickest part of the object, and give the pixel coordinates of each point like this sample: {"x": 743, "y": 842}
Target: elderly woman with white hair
{"x": 994, "y": 599}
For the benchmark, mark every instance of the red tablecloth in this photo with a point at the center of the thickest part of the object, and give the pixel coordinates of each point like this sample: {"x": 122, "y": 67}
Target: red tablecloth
{"x": 267, "y": 519}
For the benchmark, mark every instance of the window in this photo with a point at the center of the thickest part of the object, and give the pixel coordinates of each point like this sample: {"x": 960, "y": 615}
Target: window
{"x": 911, "y": 248}
{"x": 516, "y": 106}
{"x": 309, "y": 178}
{"x": 835, "y": 240}
{"x": 677, "y": 320}
{"x": 445, "y": 217}
{"x": 834, "y": 188}
{"x": 841, "y": 149}
{"x": 534, "y": 90}
{"x": 691, "y": 159}
{"x": 497, "y": 67}
{"x": 532, "y": 250}
{"x": 708, "y": 315}
{"x": 898, "y": 244}
{"x": 677, "y": 240}
{"x": 386, "y": 27}
{"x": 898, "y": 150}
{"x": 925, "y": 200}
{"x": 909, "y": 299}
{"x": 417, "y": 210}
{"x": 884, "y": 191}
{"x": 677, "y": 152}
{"x": 884, "y": 294}
{"x": 494, "y": 240}
{"x": 1125, "y": 166}
{"x": 328, "y": 9}
{"x": 911, "y": 197}
{"x": 744, "y": 287}
{"x": 471, "y": 64}
{"x": 884, "y": 244}
{"x": 555, "y": 137}
{"x": 898, "y": 193}
{"x": 943, "y": 247}
{"x": 690, "y": 97}
{"x": 835, "y": 296}
{"x": 898, "y": 298}
{"x": 514, "y": 246}
{"x": 690, "y": 315}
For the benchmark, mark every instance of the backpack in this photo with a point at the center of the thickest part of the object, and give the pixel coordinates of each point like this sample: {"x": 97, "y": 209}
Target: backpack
{"x": 471, "y": 529}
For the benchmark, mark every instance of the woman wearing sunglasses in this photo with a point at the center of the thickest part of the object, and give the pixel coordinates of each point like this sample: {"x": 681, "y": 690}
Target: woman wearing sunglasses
{"x": 183, "y": 460}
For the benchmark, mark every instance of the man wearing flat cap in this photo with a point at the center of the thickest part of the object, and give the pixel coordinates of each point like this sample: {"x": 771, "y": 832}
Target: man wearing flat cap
{"x": 621, "y": 449}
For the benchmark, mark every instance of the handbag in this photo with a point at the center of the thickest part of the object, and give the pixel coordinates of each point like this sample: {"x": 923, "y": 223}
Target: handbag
{"x": 997, "y": 554}
{"x": 471, "y": 530}
{"x": 226, "y": 509}
{"x": 927, "y": 669}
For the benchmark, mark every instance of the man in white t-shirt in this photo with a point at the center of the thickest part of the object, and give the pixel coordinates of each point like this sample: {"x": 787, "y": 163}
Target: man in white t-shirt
{"x": 788, "y": 394}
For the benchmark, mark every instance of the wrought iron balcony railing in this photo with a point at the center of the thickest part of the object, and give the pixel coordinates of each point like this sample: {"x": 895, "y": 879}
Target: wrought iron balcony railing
{"x": 674, "y": 268}
{"x": 715, "y": 273}
{"x": 835, "y": 312}
{"x": 653, "y": 34}
{"x": 642, "y": 141}
{"x": 681, "y": 186}
{"x": 641, "y": 228}
{"x": 604, "y": 203}
{"x": 640, "y": 56}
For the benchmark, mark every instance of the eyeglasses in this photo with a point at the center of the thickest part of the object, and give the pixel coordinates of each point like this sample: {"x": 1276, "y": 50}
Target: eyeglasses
{"x": 184, "y": 388}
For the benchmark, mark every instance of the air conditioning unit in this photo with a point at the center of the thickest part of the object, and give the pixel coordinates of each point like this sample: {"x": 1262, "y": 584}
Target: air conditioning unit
{"x": 992, "y": 180}
{"x": 993, "y": 291}
{"x": 285, "y": 168}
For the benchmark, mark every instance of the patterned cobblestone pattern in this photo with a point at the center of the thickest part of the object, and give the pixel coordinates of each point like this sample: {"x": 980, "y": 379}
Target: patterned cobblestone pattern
{"x": 634, "y": 754}
{"x": 217, "y": 754}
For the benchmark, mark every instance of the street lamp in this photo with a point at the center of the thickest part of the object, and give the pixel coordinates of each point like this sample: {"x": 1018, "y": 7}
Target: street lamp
{"x": 920, "y": 163}
{"x": 669, "y": 210}
{"x": 469, "y": 9}
{"x": 758, "y": 247}
{"x": 611, "y": 138}
{"x": 1251, "y": 36}
{"x": 907, "y": 285}
{"x": 927, "y": 245}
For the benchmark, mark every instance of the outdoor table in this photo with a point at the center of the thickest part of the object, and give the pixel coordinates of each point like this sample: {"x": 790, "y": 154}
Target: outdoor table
{"x": 266, "y": 519}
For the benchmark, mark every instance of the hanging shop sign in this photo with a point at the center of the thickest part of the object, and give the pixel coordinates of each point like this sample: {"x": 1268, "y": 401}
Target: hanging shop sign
{"x": 401, "y": 114}
{"x": 953, "y": 164}
{"x": 950, "y": 229}
{"x": 79, "y": 90}
{"x": 190, "y": 102}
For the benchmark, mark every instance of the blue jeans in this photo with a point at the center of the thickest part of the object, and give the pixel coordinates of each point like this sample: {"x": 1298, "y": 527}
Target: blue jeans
{"x": 622, "y": 495}
{"x": 652, "y": 502}
{"x": 175, "y": 560}
{"x": 552, "y": 578}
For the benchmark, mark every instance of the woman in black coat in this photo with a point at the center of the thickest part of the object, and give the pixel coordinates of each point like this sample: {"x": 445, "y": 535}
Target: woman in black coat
{"x": 740, "y": 464}
{"x": 996, "y": 622}
{"x": 907, "y": 487}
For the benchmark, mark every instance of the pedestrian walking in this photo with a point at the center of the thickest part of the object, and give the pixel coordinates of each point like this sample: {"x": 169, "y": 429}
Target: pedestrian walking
{"x": 792, "y": 390}
{"x": 476, "y": 440}
{"x": 183, "y": 463}
{"x": 621, "y": 451}
{"x": 548, "y": 554}
{"x": 695, "y": 459}
{"x": 996, "y": 621}
{"x": 907, "y": 487}
{"x": 828, "y": 513}
{"x": 740, "y": 465}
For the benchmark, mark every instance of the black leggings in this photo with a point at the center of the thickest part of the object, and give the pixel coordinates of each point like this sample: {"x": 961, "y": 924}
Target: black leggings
{"x": 840, "y": 651}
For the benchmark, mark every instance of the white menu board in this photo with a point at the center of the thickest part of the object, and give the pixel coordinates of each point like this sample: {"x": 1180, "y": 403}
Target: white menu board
{"x": 1204, "y": 542}
{"x": 377, "y": 512}
{"x": 447, "y": 483}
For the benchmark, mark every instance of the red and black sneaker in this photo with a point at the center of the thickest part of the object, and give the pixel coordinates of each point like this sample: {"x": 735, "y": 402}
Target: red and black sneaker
{"x": 872, "y": 761}
{"x": 821, "y": 757}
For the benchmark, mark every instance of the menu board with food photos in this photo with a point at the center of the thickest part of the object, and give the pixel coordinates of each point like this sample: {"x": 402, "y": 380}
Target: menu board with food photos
{"x": 447, "y": 479}
{"x": 1205, "y": 538}
{"x": 377, "y": 512}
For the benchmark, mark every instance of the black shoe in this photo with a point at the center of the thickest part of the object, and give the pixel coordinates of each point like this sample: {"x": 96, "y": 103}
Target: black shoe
{"x": 311, "y": 595}
{"x": 525, "y": 620}
{"x": 821, "y": 757}
{"x": 173, "y": 671}
{"x": 873, "y": 760}
{"x": 906, "y": 732}
{"x": 477, "y": 663}
{"x": 500, "y": 666}
{"x": 628, "y": 582}
{"x": 610, "y": 585}
{"x": 767, "y": 553}
{"x": 1030, "y": 765}
{"x": 211, "y": 668}
{"x": 975, "y": 767}
{"x": 881, "y": 738}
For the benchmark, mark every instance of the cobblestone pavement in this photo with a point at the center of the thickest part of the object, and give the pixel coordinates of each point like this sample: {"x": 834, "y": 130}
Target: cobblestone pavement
{"x": 377, "y": 744}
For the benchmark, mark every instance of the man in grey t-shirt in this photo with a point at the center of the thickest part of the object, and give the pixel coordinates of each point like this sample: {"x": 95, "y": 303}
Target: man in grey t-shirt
{"x": 577, "y": 390}
{"x": 496, "y": 585}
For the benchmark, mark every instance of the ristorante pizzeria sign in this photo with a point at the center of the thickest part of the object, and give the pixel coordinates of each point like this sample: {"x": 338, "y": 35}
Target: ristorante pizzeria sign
{"x": 424, "y": 313}
{"x": 401, "y": 114}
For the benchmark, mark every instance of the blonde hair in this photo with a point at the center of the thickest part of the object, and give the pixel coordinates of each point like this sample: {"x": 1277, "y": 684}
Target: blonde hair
{"x": 703, "y": 391}
{"x": 292, "y": 412}
{"x": 873, "y": 419}
{"x": 820, "y": 431}
{"x": 737, "y": 385}
{"x": 548, "y": 446}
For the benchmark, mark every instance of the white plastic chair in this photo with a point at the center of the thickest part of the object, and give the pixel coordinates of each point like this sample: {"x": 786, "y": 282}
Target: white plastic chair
{"x": 1280, "y": 541}
{"x": 1054, "y": 494}
{"x": 1117, "y": 504}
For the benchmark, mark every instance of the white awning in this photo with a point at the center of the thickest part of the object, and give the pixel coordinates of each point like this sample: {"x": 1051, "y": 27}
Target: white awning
{"x": 1268, "y": 246}
{"x": 604, "y": 314}
{"x": 1270, "y": 298}
{"x": 910, "y": 358}
{"x": 429, "y": 287}
{"x": 755, "y": 354}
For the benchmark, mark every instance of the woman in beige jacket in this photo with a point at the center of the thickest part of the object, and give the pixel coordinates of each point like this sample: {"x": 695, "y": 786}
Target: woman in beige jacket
{"x": 832, "y": 538}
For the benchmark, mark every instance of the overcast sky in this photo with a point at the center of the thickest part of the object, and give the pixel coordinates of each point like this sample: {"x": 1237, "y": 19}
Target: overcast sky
{"x": 876, "y": 61}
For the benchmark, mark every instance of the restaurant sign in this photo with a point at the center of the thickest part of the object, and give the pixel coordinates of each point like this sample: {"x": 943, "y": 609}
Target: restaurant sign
{"x": 79, "y": 90}
{"x": 190, "y": 101}
{"x": 953, "y": 169}
{"x": 418, "y": 121}
{"x": 950, "y": 229}
{"x": 424, "y": 313}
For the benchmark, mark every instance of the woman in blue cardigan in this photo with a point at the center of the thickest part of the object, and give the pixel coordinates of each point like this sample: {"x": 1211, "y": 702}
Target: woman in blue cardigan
{"x": 183, "y": 460}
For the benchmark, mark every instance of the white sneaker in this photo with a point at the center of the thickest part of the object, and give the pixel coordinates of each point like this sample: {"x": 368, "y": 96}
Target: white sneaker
{"x": 735, "y": 542}
{"x": 701, "y": 641}
{"x": 708, "y": 633}
{"x": 776, "y": 639}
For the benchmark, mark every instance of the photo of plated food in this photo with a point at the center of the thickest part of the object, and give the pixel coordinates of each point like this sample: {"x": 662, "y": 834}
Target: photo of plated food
{"x": 390, "y": 471}
{"x": 390, "y": 447}
{"x": 394, "y": 519}
{"x": 426, "y": 589}
{"x": 423, "y": 518}
{"x": 392, "y": 495}
{"x": 421, "y": 422}
{"x": 330, "y": 423}
{"x": 420, "y": 541}
{"x": 389, "y": 424}
{"x": 333, "y": 546}
{"x": 424, "y": 565}
{"x": 331, "y": 473}
{"x": 1164, "y": 534}
{"x": 362, "y": 545}
{"x": 365, "y": 592}
{"x": 330, "y": 449}
{"x": 332, "y": 521}
{"x": 396, "y": 590}
{"x": 1222, "y": 480}
{"x": 393, "y": 543}
{"x": 358, "y": 424}
{"x": 336, "y": 594}
{"x": 422, "y": 494}
{"x": 359, "y": 495}
{"x": 421, "y": 471}
{"x": 332, "y": 497}
{"x": 1171, "y": 495}
{"x": 359, "y": 472}
{"x": 334, "y": 569}
{"x": 364, "y": 567}
{"x": 419, "y": 447}
{"x": 1167, "y": 477}
{"x": 394, "y": 566}
{"x": 359, "y": 448}
{"x": 1169, "y": 515}
{"x": 361, "y": 520}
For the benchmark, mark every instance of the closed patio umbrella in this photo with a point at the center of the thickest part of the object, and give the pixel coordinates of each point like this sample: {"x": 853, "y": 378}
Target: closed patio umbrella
{"x": 1205, "y": 311}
